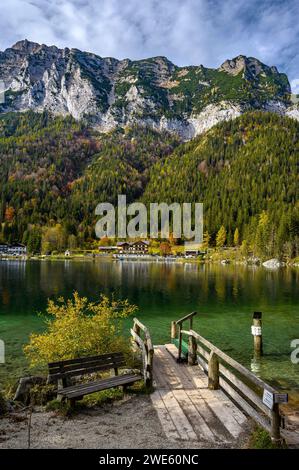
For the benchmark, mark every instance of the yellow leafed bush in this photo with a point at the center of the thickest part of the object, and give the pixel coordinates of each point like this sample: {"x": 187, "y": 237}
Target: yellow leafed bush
{"x": 77, "y": 327}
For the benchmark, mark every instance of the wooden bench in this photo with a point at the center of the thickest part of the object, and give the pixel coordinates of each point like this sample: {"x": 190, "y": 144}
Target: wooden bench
{"x": 62, "y": 371}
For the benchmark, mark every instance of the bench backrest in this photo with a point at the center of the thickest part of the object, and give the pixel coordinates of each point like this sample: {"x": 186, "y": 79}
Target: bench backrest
{"x": 85, "y": 365}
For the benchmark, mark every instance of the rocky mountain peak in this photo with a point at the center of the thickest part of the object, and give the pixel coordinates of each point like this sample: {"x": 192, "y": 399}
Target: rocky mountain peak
{"x": 109, "y": 92}
{"x": 250, "y": 66}
{"x": 26, "y": 46}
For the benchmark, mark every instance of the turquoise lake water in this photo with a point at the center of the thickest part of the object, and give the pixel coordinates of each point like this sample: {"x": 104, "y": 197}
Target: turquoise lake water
{"x": 224, "y": 296}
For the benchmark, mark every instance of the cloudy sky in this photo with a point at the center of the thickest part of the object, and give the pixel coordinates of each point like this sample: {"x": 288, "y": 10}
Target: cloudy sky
{"x": 186, "y": 31}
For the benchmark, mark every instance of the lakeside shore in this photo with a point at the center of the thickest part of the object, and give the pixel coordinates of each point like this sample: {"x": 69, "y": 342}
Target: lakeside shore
{"x": 109, "y": 426}
{"x": 224, "y": 258}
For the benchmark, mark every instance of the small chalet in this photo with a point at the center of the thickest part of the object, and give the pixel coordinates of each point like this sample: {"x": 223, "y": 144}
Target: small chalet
{"x": 192, "y": 250}
{"x": 138, "y": 247}
{"x": 192, "y": 253}
{"x": 107, "y": 249}
{"x": 3, "y": 249}
{"x": 13, "y": 250}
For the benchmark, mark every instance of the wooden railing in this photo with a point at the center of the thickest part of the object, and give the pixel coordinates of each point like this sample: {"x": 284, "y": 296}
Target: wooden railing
{"x": 258, "y": 399}
{"x": 177, "y": 329}
{"x": 146, "y": 347}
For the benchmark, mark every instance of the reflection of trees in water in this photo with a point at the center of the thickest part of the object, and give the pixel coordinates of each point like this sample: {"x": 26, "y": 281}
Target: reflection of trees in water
{"x": 253, "y": 284}
{"x": 235, "y": 287}
{"x": 51, "y": 278}
{"x": 220, "y": 286}
{"x": 149, "y": 283}
{"x": 202, "y": 283}
{"x": 11, "y": 270}
{"x": 5, "y": 296}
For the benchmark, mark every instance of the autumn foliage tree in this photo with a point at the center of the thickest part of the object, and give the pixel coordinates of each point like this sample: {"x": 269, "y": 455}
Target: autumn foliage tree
{"x": 221, "y": 237}
{"x": 236, "y": 237}
{"x": 105, "y": 241}
{"x": 206, "y": 241}
{"x": 77, "y": 327}
{"x": 165, "y": 248}
{"x": 9, "y": 214}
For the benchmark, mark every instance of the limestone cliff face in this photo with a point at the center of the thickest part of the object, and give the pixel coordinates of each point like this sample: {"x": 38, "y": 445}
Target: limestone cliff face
{"x": 110, "y": 93}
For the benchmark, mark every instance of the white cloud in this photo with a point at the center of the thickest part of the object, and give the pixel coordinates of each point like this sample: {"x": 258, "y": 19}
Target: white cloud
{"x": 187, "y": 32}
{"x": 295, "y": 86}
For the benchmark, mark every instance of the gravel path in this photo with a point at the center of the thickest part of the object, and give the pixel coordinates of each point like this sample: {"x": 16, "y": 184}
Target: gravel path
{"x": 130, "y": 423}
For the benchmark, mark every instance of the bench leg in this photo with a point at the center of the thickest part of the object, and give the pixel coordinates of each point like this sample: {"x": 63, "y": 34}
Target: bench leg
{"x": 125, "y": 389}
{"x": 60, "y": 398}
{"x": 72, "y": 402}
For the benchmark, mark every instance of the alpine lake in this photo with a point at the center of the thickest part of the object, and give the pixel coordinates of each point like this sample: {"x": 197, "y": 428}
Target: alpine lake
{"x": 225, "y": 297}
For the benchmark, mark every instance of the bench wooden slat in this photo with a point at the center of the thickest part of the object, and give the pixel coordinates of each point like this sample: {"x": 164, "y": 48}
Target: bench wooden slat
{"x": 86, "y": 365}
{"x": 77, "y": 370}
{"x": 117, "y": 381}
{"x": 86, "y": 370}
{"x": 83, "y": 360}
{"x": 114, "y": 380}
{"x": 82, "y": 386}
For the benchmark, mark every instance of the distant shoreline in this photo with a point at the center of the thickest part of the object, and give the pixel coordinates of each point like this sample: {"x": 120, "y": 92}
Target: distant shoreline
{"x": 149, "y": 259}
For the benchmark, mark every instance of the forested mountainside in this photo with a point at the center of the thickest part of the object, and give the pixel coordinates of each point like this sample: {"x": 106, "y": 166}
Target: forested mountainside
{"x": 54, "y": 171}
{"x": 39, "y": 158}
{"x": 108, "y": 93}
{"x": 246, "y": 173}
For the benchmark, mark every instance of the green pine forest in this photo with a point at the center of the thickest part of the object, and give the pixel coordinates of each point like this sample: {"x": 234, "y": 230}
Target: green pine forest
{"x": 54, "y": 171}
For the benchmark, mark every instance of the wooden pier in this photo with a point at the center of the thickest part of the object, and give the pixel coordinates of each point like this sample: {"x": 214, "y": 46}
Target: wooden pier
{"x": 202, "y": 394}
{"x": 187, "y": 409}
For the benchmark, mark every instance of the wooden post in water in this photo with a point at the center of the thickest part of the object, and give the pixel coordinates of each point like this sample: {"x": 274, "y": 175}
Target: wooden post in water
{"x": 213, "y": 371}
{"x": 256, "y": 331}
{"x": 173, "y": 332}
{"x": 275, "y": 424}
{"x": 192, "y": 350}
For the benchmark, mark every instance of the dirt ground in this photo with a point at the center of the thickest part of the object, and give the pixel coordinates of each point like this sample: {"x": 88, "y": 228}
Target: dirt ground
{"x": 130, "y": 423}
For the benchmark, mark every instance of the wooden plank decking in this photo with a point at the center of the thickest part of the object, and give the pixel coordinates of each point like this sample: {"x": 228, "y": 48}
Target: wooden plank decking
{"x": 187, "y": 409}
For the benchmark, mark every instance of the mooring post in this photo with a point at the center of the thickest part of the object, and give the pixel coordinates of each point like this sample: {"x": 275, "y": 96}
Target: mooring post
{"x": 173, "y": 332}
{"x": 213, "y": 371}
{"x": 192, "y": 350}
{"x": 256, "y": 331}
{"x": 275, "y": 424}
